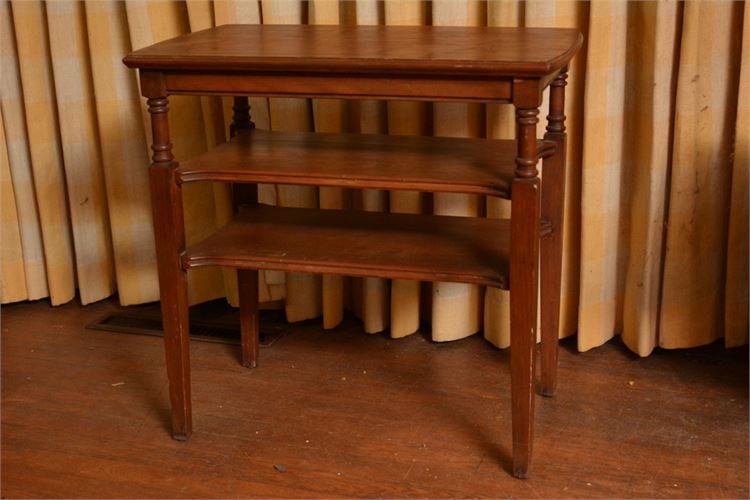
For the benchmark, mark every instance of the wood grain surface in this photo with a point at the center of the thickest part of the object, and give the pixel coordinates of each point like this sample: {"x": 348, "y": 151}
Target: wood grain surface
{"x": 403, "y": 49}
{"x": 426, "y": 247}
{"x": 85, "y": 414}
{"x": 435, "y": 164}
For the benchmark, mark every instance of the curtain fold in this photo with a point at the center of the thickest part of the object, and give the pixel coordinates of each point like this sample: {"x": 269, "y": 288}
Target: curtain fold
{"x": 699, "y": 197}
{"x": 406, "y": 118}
{"x": 736, "y": 292}
{"x": 456, "y": 309}
{"x": 81, "y": 151}
{"x": 25, "y": 260}
{"x": 649, "y": 134}
{"x": 45, "y": 157}
{"x": 123, "y": 145}
{"x": 656, "y": 234}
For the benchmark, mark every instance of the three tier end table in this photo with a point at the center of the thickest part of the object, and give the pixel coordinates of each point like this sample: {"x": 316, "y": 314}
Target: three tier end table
{"x": 486, "y": 65}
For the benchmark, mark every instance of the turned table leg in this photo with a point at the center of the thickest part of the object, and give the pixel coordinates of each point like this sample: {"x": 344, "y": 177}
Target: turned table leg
{"x": 553, "y": 208}
{"x": 524, "y": 254}
{"x": 242, "y": 194}
{"x": 169, "y": 235}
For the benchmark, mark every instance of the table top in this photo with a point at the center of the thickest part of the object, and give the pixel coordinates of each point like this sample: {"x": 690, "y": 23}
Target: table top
{"x": 478, "y": 51}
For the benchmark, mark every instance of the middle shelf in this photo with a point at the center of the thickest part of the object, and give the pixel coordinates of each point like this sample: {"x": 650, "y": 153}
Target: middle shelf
{"x": 362, "y": 161}
{"x": 364, "y": 244}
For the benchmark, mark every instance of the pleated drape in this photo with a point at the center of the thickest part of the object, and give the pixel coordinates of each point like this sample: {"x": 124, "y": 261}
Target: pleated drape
{"x": 699, "y": 196}
{"x": 656, "y": 234}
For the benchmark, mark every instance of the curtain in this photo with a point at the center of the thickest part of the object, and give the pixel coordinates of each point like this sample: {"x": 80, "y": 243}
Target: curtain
{"x": 656, "y": 233}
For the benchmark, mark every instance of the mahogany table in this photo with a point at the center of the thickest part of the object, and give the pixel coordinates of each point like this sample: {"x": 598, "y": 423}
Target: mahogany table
{"x": 508, "y": 65}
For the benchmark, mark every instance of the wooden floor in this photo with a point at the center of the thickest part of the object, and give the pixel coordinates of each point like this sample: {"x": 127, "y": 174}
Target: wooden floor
{"x": 344, "y": 414}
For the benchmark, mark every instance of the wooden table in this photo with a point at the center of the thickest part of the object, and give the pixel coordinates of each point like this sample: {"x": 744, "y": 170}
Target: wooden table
{"x": 509, "y": 65}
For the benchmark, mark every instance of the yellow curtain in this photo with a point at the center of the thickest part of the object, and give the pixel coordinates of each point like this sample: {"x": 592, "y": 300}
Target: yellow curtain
{"x": 656, "y": 235}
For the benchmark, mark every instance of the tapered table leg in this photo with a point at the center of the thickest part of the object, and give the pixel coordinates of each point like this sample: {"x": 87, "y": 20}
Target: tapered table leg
{"x": 553, "y": 208}
{"x": 247, "y": 280}
{"x": 524, "y": 267}
{"x": 166, "y": 201}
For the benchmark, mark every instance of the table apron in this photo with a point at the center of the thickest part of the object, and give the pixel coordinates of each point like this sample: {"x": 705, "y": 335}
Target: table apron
{"x": 408, "y": 87}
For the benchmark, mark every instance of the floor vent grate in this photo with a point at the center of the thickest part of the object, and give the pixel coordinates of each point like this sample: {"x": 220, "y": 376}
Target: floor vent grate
{"x": 211, "y": 322}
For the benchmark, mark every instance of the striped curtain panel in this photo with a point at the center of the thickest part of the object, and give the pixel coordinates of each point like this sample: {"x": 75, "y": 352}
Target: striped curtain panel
{"x": 656, "y": 235}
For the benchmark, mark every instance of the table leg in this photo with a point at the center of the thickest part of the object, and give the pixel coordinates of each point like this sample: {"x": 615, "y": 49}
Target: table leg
{"x": 242, "y": 194}
{"x": 524, "y": 265}
{"x": 247, "y": 280}
{"x": 553, "y": 209}
{"x": 169, "y": 235}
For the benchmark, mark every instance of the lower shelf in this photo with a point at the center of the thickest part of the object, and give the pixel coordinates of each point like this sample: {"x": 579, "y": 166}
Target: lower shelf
{"x": 364, "y": 244}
